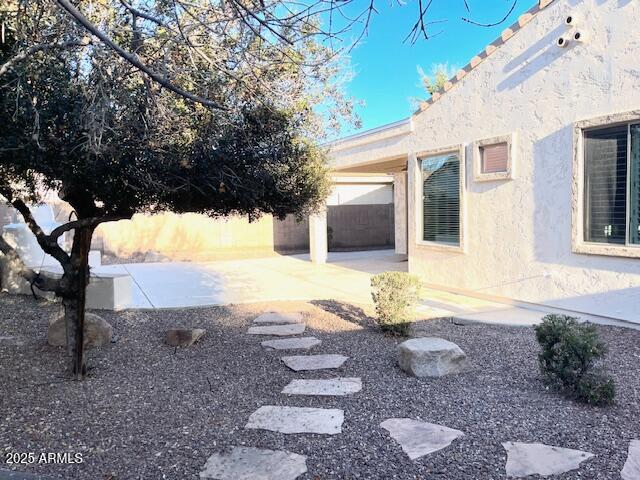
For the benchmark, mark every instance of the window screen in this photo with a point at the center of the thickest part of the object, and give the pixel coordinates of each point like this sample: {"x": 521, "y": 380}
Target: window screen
{"x": 495, "y": 158}
{"x": 605, "y": 159}
{"x": 441, "y": 199}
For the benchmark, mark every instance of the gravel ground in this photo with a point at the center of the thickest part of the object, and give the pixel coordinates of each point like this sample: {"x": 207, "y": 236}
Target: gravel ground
{"x": 149, "y": 412}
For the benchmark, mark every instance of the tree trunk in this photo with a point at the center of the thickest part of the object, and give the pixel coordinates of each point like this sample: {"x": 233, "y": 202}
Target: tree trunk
{"x": 75, "y": 300}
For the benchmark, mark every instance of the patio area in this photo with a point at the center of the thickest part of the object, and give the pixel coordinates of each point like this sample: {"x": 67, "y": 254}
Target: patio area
{"x": 345, "y": 277}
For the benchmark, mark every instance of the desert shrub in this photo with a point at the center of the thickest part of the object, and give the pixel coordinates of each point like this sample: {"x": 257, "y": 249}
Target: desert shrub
{"x": 569, "y": 359}
{"x": 394, "y": 295}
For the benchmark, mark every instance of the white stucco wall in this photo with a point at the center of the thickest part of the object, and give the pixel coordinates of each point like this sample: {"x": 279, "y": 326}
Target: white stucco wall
{"x": 361, "y": 194}
{"x": 518, "y": 233}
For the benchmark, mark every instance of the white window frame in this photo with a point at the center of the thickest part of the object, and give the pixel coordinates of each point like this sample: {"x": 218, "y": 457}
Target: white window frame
{"x": 478, "y": 175}
{"x": 579, "y": 245}
{"x": 440, "y": 246}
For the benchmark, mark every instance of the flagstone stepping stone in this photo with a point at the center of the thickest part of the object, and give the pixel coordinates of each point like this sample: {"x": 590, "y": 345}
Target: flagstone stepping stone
{"x": 300, "y": 343}
{"x": 631, "y": 469}
{"x": 248, "y": 463}
{"x": 524, "y": 459}
{"x": 314, "y": 362}
{"x": 279, "y": 317}
{"x": 419, "y": 438}
{"x": 332, "y": 386}
{"x": 279, "y": 330}
{"x": 297, "y": 420}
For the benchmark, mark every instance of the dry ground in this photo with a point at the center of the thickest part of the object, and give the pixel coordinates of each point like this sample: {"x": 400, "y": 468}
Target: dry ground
{"x": 148, "y": 411}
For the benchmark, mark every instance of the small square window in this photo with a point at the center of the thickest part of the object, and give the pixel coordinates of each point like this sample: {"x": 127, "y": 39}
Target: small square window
{"x": 493, "y": 159}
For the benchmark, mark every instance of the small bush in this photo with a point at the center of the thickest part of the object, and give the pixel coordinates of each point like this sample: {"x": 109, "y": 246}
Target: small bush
{"x": 394, "y": 295}
{"x": 569, "y": 356}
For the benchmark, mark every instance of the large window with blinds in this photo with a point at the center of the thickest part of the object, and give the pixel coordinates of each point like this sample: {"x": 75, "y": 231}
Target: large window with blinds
{"x": 441, "y": 198}
{"x": 612, "y": 185}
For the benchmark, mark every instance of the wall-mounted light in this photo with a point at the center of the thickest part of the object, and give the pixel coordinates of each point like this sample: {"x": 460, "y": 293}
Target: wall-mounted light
{"x": 563, "y": 42}
{"x": 579, "y": 36}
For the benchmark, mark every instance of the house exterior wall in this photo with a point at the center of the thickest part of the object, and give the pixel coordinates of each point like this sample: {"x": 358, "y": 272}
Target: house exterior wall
{"x": 361, "y": 194}
{"x": 518, "y": 233}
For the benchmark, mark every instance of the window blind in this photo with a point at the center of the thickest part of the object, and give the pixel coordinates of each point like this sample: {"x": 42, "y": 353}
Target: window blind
{"x": 605, "y": 156}
{"x": 495, "y": 158}
{"x": 634, "y": 186}
{"x": 441, "y": 199}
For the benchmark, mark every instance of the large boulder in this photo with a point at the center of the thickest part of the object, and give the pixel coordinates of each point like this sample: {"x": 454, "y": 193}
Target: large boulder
{"x": 183, "y": 337}
{"x": 97, "y": 331}
{"x": 431, "y": 357}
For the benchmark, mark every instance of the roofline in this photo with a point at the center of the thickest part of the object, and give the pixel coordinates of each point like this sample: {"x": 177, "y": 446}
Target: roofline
{"x": 371, "y": 131}
{"x": 507, "y": 33}
{"x": 473, "y": 64}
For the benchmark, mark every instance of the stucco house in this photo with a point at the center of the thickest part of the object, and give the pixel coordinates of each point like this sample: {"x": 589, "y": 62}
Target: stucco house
{"x": 520, "y": 179}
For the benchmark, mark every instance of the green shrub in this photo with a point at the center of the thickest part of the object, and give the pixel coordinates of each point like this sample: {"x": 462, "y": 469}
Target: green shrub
{"x": 394, "y": 295}
{"x": 569, "y": 357}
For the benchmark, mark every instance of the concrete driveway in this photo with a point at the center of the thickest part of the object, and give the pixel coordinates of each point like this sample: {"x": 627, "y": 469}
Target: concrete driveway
{"x": 345, "y": 277}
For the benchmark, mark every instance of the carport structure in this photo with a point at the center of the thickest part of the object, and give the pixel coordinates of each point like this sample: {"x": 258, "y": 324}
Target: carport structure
{"x": 379, "y": 151}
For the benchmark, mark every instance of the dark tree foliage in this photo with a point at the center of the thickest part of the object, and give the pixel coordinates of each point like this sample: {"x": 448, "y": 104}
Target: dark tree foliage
{"x": 113, "y": 144}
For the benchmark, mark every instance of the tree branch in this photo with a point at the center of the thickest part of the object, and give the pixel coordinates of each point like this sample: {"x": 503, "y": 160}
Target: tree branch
{"x": 47, "y": 243}
{"x": 92, "y": 222}
{"x": 41, "y": 48}
{"x": 132, "y": 59}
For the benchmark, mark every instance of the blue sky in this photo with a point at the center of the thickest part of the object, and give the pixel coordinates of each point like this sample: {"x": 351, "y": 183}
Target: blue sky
{"x": 385, "y": 68}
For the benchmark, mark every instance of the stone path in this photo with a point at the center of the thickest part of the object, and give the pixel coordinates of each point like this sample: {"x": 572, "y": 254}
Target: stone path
{"x": 314, "y": 362}
{"x": 420, "y": 438}
{"x": 247, "y": 463}
{"x": 278, "y": 330}
{"x": 524, "y": 459}
{"x": 300, "y": 343}
{"x": 297, "y": 420}
{"x": 276, "y": 317}
{"x": 416, "y": 438}
{"x": 631, "y": 469}
{"x": 332, "y": 386}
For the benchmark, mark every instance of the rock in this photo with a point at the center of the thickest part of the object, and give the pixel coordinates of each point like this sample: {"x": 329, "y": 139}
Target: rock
{"x": 248, "y": 463}
{"x": 631, "y": 469}
{"x": 328, "y": 387}
{"x": 431, "y": 357}
{"x": 184, "y": 337}
{"x": 297, "y": 420}
{"x": 278, "y": 330}
{"x": 314, "y": 362}
{"x": 524, "y": 459}
{"x": 301, "y": 343}
{"x": 420, "y": 438}
{"x": 97, "y": 331}
{"x": 279, "y": 317}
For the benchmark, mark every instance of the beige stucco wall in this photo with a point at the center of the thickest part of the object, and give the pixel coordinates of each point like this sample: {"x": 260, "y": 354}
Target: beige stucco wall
{"x": 518, "y": 233}
{"x": 185, "y": 237}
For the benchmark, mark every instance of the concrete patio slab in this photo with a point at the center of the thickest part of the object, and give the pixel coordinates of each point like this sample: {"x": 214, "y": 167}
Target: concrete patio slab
{"x": 419, "y": 438}
{"x": 314, "y": 362}
{"x": 301, "y": 343}
{"x": 297, "y": 420}
{"x": 524, "y": 459}
{"x": 278, "y": 318}
{"x": 247, "y": 463}
{"x": 278, "y": 330}
{"x": 346, "y": 277}
{"x": 328, "y": 387}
